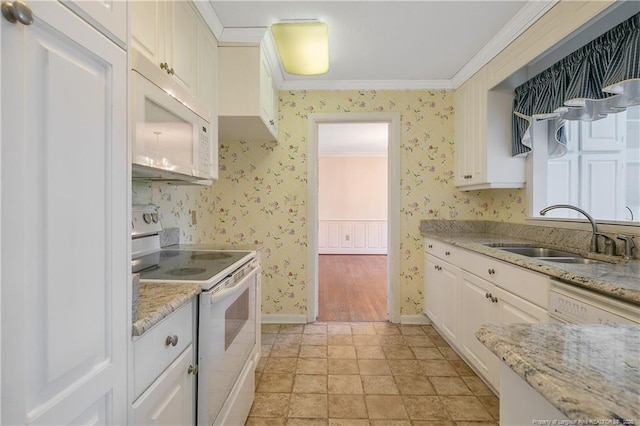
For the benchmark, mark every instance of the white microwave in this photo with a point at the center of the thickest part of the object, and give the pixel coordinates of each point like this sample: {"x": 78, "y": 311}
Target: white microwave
{"x": 171, "y": 130}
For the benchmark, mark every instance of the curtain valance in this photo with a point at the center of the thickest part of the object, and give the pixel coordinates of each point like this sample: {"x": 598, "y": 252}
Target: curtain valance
{"x": 600, "y": 78}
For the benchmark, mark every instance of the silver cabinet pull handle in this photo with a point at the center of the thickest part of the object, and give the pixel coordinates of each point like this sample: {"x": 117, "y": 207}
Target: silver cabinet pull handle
{"x": 192, "y": 370}
{"x": 171, "y": 340}
{"x": 17, "y": 11}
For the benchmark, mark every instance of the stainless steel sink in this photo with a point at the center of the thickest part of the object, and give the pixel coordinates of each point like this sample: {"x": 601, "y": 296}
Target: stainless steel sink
{"x": 547, "y": 254}
{"x": 536, "y": 251}
{"x": 576, "y": 260}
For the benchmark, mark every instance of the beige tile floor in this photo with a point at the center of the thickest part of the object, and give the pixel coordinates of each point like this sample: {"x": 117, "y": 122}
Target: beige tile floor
{"x": 343, "y": 374}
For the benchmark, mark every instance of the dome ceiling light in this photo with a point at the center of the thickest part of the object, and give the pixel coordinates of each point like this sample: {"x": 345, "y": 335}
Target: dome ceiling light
{"x": 303, "y": 46}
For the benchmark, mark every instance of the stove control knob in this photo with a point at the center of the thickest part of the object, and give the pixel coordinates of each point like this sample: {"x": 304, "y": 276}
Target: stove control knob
{"x": 154, "y": 217}
{"x": 146, "y": 217}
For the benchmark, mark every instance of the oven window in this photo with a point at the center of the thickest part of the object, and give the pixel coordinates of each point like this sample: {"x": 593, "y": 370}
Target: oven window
{"x": 235, "y": 317}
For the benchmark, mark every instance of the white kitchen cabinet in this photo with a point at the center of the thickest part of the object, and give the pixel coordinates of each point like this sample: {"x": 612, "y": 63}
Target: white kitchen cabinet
{"x": 108, "y": 17}
{"x": 483, "y": 138}
{"x": 248, "y": 98}
{"x": 65, "y": 226}
{"x": 164, "y": 370}
{"x": 464, "y": 290}
{"x": 441, "y": 295}
{"x": 170, "y": 400}
{"x": 477, "y": 309}
{"x": 166, "y": 33}
{"x": 207, "y": 74}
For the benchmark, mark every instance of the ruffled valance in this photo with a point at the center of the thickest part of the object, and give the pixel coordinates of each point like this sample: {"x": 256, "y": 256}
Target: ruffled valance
{"x": 600, "y": 78}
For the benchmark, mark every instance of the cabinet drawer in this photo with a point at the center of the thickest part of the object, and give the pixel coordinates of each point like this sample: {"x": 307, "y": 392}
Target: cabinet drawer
{"x": 526, "y": 284}
{"x": 443, "y": 251}
{"x": 153, "y": 352}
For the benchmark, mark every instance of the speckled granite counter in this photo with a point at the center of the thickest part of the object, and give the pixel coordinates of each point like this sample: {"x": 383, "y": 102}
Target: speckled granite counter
{"x": 585, "y": 371}
{"x": 620, "y": 280}
{"x": 156, "y": 301}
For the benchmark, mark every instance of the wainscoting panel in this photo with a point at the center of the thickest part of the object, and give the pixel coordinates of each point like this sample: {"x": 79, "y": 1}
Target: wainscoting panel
{"x": 352, "y": 237}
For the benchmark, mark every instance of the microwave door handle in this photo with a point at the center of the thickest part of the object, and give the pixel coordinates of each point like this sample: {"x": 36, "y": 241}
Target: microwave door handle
{"x": 230, "y": 291}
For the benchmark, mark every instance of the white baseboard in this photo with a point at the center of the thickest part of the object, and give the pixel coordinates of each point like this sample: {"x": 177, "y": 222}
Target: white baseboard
{"x": 302, "y": 319}
{"x": 414, "y": 319}
{"x": 351, "y": 251}
{"x": 284, "y": 319}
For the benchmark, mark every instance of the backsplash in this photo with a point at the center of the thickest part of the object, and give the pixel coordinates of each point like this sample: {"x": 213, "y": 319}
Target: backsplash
{"x": 260, "y": 197}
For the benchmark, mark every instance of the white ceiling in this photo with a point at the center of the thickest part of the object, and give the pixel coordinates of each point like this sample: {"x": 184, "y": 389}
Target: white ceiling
{"x": 419, "y": 44}
{"x": 384, "y": 44}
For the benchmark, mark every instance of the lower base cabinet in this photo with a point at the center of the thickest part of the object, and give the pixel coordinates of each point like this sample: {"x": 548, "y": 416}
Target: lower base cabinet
{"x": 164, "y": 370}
{"x": 170, "y": 399}
{"x": 458, "y": 301}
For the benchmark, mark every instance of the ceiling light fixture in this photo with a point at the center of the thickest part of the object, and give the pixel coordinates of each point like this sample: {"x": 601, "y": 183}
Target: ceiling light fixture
{"x": 303, "y": 46}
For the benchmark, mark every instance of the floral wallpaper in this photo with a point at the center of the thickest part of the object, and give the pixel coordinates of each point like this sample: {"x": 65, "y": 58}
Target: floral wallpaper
{"x": 260, "y": 197}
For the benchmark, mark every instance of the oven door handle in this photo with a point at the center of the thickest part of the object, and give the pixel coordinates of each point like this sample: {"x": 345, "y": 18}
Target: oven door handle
{"x": 230, "y": 291}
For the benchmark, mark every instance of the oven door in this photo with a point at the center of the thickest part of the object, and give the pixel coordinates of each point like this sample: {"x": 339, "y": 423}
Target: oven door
{"x": 227, "y": 344}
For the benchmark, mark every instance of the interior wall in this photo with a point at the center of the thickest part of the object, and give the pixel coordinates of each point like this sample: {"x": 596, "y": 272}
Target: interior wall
{"x": 260, "y": 198}
{"x": 352, "y": 188}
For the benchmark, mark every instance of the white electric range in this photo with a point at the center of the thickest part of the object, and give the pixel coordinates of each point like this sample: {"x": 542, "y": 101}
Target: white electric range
{"x": 228, "y": 319}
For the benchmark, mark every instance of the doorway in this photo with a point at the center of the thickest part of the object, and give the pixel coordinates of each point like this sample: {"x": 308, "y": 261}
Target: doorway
{"x": 352, "y": 227}
{"x": 390, "y": 236}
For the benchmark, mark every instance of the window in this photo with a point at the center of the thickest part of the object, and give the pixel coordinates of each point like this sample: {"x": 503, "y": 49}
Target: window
{"x": 600, "y": 172}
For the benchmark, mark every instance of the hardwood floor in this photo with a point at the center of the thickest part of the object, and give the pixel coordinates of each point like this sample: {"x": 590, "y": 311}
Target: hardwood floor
{"x": 352, "y": 287}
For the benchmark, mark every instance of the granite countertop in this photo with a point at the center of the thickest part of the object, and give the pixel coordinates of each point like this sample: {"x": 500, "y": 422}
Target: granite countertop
{"x": 620, "y": 280}
{"x": 588, "y": 372}
{"x": 156, "y": 301}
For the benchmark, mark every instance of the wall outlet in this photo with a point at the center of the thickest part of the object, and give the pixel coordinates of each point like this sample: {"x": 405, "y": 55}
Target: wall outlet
{"x": 194, "y": 218}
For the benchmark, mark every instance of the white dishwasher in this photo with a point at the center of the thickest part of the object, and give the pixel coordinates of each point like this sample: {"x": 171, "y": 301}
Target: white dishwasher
{"x": 574, "y": 305}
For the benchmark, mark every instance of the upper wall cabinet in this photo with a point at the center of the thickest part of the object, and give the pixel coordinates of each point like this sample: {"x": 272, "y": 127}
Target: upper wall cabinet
{"x": 248, "y": 102}
{"x": 483, "y": 138}
{"x": 166, "y": 33}
{"x": 109, "y": 17}
{"x": 484, "y": 102}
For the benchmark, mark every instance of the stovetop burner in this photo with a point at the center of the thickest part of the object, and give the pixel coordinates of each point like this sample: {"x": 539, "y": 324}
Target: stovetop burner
{"x": 190, "y": 265}
{"x": 213, "y": 255}
{"x": 182, "y": 272}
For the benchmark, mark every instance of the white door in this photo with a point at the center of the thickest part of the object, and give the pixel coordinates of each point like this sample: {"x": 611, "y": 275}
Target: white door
{"x": 65, "y": 261}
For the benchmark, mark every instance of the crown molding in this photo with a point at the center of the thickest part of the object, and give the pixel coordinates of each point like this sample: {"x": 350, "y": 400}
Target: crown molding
{"x": 367, "y": 85}
{"x": 530, "y": 13}
{"x": 210, "y": 17}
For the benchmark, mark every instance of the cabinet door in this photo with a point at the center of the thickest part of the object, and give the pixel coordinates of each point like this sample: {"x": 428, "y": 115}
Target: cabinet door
{"x": 147, "y": 29}
{"x": 471, "y": 105}
{"x": 109, "y": 17}
{"x": 432, "y": 307}
{"x": 268, "y": 97}
{"x": 441, "y": 294}
{"x": 170, "y": 400}
{"x": 65, "y": 262}
{"x": 477, "y": 309}
{"x": 181, "y": 42}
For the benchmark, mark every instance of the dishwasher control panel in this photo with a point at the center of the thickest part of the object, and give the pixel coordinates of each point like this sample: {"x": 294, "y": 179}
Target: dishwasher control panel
{"x": 584, "y": 310}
